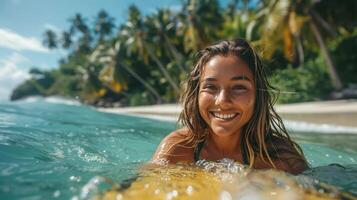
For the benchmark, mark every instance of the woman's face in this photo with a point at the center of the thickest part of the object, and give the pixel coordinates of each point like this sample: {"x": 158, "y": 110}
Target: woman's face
{"x": 226, "y": 95}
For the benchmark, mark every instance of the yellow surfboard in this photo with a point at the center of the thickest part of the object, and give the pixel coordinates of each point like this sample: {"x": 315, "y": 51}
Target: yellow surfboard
{"x": 220, "y": 181}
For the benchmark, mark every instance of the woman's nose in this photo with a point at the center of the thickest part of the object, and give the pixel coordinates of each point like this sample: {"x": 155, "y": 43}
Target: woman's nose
{"x": 223, "y": 98}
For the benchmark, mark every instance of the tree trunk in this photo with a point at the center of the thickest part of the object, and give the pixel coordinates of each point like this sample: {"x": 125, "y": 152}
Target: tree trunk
{"x": 336, "y": 82}
{"x": 142, "y": 81}
{"x": 322, "y": 22}
{"x": 177, "y": 56}
{"x": 163, "y": 70}
{"x": 300, "y": 50}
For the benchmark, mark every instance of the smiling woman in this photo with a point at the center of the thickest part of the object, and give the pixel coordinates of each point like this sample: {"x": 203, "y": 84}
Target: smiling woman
{"x": 228, "y": 113}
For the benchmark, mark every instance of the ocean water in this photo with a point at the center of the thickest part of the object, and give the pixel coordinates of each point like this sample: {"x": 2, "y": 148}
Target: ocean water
{"x": 51, "y": 148}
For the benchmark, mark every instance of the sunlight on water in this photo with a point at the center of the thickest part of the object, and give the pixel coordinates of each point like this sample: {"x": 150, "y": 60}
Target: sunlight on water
{"x": 51, "y": 150}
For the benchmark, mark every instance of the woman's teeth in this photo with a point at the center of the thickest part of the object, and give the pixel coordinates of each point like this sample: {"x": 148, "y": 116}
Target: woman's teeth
{"x": 224, "y": 116}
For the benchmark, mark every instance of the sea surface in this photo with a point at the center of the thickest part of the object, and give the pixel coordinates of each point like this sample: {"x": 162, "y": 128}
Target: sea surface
{"x": 50, "y": 148}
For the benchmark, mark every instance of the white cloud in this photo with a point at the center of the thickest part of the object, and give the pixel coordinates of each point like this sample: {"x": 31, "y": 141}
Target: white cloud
{"x": 12, "y": 40}
{"x": 11, "y": 75}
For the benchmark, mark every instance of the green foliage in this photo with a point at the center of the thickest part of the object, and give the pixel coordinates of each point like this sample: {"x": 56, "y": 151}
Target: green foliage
{"x": 39, "y": 84}
{"x": 27, "y": 88}
{"x": 140, "y": 98}
{"x": 307, "y": 83}
{"x": 346, "y": 59}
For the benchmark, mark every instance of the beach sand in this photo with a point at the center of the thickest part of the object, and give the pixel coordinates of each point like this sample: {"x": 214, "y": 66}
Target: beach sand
{"x": 340, "y": 112}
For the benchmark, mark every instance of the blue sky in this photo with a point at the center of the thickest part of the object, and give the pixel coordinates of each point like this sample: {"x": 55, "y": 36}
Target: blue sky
{"x": 23, "y": 22}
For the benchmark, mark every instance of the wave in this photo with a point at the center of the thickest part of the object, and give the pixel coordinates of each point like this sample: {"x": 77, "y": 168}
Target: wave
{"x": 298, "y": 126}
{"x": 52, "y": 100}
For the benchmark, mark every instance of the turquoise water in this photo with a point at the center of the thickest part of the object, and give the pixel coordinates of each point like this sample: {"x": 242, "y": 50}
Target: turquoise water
{"x": 52, "y": 148}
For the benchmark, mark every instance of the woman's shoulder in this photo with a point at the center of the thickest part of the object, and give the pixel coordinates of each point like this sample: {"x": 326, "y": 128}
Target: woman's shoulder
{"x": 182, "y": 133}
{"x": 175, "y": 147}
{"x": 287, "y": 156}
{"x": 282, "y": 145}
{"x": 296, "y": 167}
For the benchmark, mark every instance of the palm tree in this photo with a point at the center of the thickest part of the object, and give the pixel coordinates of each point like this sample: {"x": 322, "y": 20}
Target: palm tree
{"x": 120, "y": 62}
{"x": 136, "y": 41}
{"x": 50, "y": 39}
{"x": 163, "y": 27}
{"x": 281, "y": 21}
{"x": 235, "y": 23}
{"x": 66, "y": 40}
{"x": 78, "y": 24}
{"x": 103, "y": 55}
{"x": 104, "y": 25}
{"x": 336, "y": 81}
{"x": 112, "y": 57}
{"x": 199, "y": 19}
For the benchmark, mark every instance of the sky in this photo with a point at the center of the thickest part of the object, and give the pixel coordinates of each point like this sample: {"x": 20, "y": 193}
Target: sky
{"x": 23, "y": 22}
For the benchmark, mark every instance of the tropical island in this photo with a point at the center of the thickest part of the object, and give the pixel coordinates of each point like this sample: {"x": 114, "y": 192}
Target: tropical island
{"x": 308, "y": 49}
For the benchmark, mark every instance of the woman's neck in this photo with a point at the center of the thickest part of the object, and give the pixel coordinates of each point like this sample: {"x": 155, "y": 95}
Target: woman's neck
{"x": 223, "y": 146}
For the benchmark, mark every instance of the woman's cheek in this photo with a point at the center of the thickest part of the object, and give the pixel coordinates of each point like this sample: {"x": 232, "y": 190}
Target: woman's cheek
{"x": 204, "y": 101}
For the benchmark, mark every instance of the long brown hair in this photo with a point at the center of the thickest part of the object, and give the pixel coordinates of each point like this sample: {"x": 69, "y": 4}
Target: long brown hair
{"x": 263, "y": 130}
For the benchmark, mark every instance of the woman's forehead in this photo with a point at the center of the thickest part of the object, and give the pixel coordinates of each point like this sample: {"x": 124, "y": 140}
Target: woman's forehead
{"x": 226, "y": 66}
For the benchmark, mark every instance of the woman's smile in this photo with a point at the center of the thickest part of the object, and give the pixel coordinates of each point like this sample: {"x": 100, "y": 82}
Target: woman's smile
{"x": 224, "y": 116}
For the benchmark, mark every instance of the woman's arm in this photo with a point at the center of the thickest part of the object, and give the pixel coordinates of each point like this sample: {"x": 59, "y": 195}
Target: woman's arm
{"x": 174, "y": 148}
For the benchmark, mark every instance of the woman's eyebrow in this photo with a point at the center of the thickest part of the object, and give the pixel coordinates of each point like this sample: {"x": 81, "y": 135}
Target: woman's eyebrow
{"x": 209, "y": 79}
{"x": 235, "y": 78}
{"x": 243, "y": 77}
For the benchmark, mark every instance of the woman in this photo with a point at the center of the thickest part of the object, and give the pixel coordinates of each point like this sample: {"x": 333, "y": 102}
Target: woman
{"x": 228, "y": 113}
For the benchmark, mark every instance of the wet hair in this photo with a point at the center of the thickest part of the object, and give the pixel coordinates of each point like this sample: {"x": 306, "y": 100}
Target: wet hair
{"x": 264, "y": 135}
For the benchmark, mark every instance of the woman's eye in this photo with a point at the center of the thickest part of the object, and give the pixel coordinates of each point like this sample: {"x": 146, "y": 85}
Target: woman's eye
{"x": 239, "y": 88}
{"x": 209, "y": 87}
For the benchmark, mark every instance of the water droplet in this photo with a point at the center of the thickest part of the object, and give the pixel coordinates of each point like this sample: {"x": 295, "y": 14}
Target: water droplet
{"x": 75, "y": 198}
{"x": 171, "y": 195}
{"x": 75, "y": 178}
{"x": 189, "y": 190}
{"x": 119, "y": 197}
{"x": 225, "y": 196}
{"x": 56, "y": 194}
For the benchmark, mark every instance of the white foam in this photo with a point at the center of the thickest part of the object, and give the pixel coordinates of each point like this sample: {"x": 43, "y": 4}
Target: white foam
{"x": 32, "y": 99}
{"x": 62, "y": 100}
{"x": 53, "y": 100}
{"x": 298, "y": 126}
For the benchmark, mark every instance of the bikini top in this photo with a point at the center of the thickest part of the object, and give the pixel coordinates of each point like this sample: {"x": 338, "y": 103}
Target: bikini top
{"x": 197, "y": 151}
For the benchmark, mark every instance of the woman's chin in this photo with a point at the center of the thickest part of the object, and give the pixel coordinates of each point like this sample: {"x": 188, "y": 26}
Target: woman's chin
{"x": 223, "y": 132}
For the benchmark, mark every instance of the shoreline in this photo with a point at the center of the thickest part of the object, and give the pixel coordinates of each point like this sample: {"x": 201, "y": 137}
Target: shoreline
{"x": 337, "y": 112}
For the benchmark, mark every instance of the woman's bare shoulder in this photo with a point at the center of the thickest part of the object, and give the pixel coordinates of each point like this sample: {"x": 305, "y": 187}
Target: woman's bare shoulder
{"x": 295, "y": 166}
{"x": 288, "y": 157}
{"x": 284, "y": 156}
{"x": 174, "y": 148}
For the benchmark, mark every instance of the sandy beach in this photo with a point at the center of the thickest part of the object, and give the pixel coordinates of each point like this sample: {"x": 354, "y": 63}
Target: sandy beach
{"x": 340, "y": 112}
